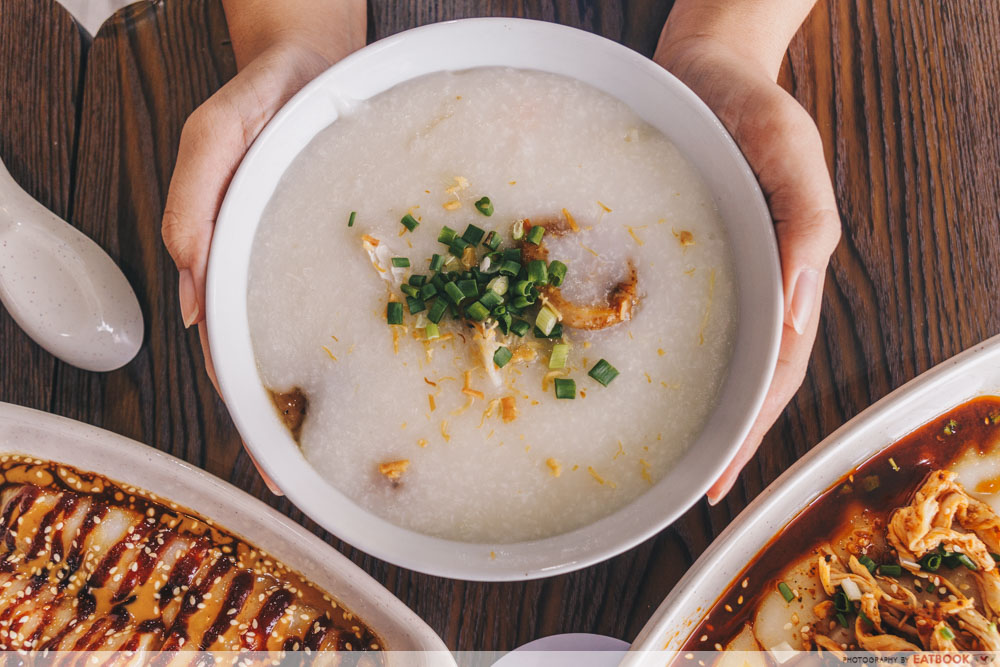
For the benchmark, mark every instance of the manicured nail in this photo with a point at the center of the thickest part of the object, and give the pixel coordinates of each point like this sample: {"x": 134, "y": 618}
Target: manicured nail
{"x": 189, "y": 300}
{"x": 803, "y": 299}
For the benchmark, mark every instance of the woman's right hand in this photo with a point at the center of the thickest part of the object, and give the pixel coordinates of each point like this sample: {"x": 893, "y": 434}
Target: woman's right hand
{"x": 279, "y": 48}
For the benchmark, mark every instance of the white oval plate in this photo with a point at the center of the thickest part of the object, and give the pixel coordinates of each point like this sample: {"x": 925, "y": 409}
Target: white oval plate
{"x": 975, "y": 372}
{"x": 88, "y": 448}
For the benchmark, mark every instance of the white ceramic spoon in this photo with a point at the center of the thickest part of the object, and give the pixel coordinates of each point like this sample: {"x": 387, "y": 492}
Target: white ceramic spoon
{"x": 62, "y": 288}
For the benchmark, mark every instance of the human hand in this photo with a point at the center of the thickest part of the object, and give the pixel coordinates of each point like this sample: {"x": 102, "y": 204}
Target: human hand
{"x": 279, "y": 48}
{"x": 729, "y": 52}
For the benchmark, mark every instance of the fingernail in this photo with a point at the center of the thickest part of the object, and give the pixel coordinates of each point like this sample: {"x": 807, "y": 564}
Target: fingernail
{"x": 803, "y": 299}
{"x": 189, "y": 300}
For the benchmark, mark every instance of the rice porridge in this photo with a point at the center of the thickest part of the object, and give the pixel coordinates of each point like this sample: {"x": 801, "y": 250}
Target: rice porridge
{"x": 493, "y": 305}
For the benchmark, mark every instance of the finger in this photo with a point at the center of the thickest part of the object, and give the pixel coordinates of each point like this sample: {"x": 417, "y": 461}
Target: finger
{"x": 793, "y": 360}
{"x": 210, "y": 371}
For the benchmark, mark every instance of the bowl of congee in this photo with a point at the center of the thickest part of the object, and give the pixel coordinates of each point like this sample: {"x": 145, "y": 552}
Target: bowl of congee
{"x": 494, "y": 299}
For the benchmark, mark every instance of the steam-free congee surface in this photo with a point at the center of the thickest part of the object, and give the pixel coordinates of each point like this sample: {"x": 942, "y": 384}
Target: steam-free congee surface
{"x": 451, "y": 423}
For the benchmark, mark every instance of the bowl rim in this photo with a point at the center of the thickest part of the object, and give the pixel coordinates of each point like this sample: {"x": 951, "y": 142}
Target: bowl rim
{"x": 228, "y": 335}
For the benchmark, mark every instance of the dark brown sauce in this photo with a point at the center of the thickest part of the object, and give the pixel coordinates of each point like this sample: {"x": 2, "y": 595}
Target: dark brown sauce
{"x": 900, "y": 469}
{"x": 292, "y": 406}
{"x": 161, "y": 523}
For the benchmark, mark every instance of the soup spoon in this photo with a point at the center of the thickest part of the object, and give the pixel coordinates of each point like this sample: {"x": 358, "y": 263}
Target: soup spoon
{"x": 62, "y": 288}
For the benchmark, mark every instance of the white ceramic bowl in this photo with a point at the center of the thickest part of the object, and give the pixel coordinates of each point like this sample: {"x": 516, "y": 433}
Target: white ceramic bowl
{"x": 408, "y": 639}
{"x": 975, "y": 372}
{"x": 656, "y": 96}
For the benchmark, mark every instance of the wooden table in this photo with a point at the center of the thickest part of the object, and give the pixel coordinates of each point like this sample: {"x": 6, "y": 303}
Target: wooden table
{"x": 906, "y": 94}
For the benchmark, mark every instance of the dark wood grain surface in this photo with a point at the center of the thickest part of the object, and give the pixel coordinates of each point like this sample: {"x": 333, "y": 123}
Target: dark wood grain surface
{"x": 907, "y": 97}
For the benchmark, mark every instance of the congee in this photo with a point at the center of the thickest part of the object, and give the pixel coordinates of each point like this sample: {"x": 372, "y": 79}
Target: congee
{"x": 492, "y": 305}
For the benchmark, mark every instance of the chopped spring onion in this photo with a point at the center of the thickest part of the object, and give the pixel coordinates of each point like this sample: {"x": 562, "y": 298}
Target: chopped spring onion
{"x": 504, "y": 320}
{"x": 428, "y": 291}
{"x": 490, "y": 299}
{"x": 454, "y": 293}
{"x": 995, "y": 557}
{"x": 415, "y": 305}
{"x": 458, "y": 246}
{"x": 565, "y": 388}
{"x": 522, "y": 288}
{"x": 864, "y": 617}
{"x": 890, "y": 570}
{"x": 513, "y": 254}
{"x": 538, "y": 273}
{"x": 517, "y": 231}
{"x": 502, "y": 356}
{"x": 560, "y": 353}
{"x": 851, "y": 590}
{"x": 477, "y": 312}
{"x": 867, "y": 562}
{"x": 842, "y": 620}
{"x": 409, "y": 290}
{"x": 469, "y": 287}
{"x": 557, "y": 273}
{"x": 522, "y": 302}
{"x": 931, "y": 562}
{"x": 437, "y": 261}
{"x": 546, "y": 320}
{"x": 510, "y": 267}
{"x": 492, "y": 240}
{"x": 841, "y": 603}
{"x": 491, "y": 263}
{"x": 400, "y": 262}
{"x": 417, "y": 280}
{"x": 946, "y": 633}
{"x": 485, "y": 206}
{"x": 350, "y": 220}
{"x": 498, "y": 285}
{"x": 473, "y": 234}
{"x": 394, "y": 312}
{"x": 966, "y": 561}
{"x": 409, "y": 222}
{"x": 557, "y": 331}
{"x": 603, "y": 372}
{"x": 431, "y": 331}
{"x": 447, "y": 235}
{"x": 535, "y": 234}
{"x": 785, "y": 591}
{"x": 436, "y": 311}
{"x": 519, "y": 327}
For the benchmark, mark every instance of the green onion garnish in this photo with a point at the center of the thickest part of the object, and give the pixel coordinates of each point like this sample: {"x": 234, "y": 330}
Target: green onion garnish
{"x": 557, "y": 332}
{"x": 538, "y": 273}
{"x": 490, "y": 299}
{"x": 491, "y": 263}
{"x": 499, "y": 285}
{"x": 409, "y": 290}
{"x": 415, "y": 305}
{"x": 864, "y": 617}
{"x": 428, "y": 291}
{"x": 477, "y": 312}
{"x": 510, "y": 267}
{"x": 350, "y": 220}
{"x": 841, "y": 603}
{"x": 842, "y": 620}
{"x": 522, "y": 288}
{"x": 446, "y": 236}
{"x": 546, "y": 320}
{"x": 557, "y": 273}
{"x": 436, "y": 311}
{"x": 560, "y": 353}
{"x": 931, "y": 562}
{"x": 469, "y": 287}
{"x": 431, "y": 331}
{"x": 485, "y": 206}
{"x": 492, "y": 240}
{"x": 517, "y": 231}
{"x": 995, "y": 557}
{"x": 454, "y": 293}
{"x": 458, "y": 246}
{"x": 394, "y": 312}
{"x": 966, "y": 561}
{"x": 603, "y": 372}
{"x": 473, "y": 234}
{"x": 409, "y": 222}
{"x": 502, "y": 356}
{"x": 565, "y": 388}
{"x": 890, "y": 570}
{"x": 946, "y": 632}
{"x": 519, "y": 327}
{"x": 785, "y": 591}
{"x": 867, "y": 562}
{"x": 522, "y": 302}
{"x": 513, "y": 254}
{"x": 400, "y": 262}
{"x": 437, "y": 261}
{"x": 535, "y": 234}
{"x": 417, "y": 279}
